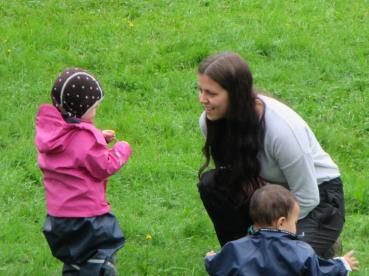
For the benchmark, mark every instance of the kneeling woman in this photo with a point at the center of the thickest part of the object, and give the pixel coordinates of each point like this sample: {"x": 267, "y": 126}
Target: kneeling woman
{"x": 254, "y": 139}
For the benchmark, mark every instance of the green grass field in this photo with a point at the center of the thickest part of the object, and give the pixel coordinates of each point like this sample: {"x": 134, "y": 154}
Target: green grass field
{"x": 313, "y": 55}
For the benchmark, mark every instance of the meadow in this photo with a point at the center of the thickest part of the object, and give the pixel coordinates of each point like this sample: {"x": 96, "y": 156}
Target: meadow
{"x": 312, "y": 55}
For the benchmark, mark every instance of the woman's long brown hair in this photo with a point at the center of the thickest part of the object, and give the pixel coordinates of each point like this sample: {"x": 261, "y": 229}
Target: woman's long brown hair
{"x": 234, "y": 141}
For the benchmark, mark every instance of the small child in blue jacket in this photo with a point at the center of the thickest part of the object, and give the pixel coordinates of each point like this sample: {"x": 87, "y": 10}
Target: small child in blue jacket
{"x": 272, "y": 247}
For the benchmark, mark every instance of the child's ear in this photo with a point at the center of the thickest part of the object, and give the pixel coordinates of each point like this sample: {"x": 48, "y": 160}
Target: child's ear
{"x": 280, "y": 222}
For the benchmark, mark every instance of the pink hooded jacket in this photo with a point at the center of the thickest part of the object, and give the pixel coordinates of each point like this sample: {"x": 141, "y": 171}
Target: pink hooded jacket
{"x": 76, "y": 164}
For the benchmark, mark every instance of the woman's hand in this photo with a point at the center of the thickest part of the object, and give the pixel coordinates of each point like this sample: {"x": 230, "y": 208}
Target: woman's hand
{"x": 109, "y": 135}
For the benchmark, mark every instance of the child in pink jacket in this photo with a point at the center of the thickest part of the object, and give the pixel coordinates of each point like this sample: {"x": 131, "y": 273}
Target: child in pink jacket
{"x": 76, "y": 163}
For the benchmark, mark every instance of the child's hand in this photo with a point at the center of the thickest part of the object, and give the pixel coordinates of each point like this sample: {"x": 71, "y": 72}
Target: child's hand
{"x": 210, "y": 253}
{"x": 109, "y": 135}
{"x": 124, "y": 150}
{"x": 352, "y": 261}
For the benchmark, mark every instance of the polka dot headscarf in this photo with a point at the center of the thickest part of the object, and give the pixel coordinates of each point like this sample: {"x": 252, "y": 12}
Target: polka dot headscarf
{"x": 75, "y": 92}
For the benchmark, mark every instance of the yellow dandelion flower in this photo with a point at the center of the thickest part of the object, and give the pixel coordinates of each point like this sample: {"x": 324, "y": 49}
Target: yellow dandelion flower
{"x": 148, "y": 237}
{"x": 130, "y": 24}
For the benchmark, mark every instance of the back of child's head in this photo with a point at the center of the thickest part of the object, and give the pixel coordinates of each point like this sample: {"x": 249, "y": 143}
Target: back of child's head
{"x": 269, "y": 203}
{"x": 75, "y": 92}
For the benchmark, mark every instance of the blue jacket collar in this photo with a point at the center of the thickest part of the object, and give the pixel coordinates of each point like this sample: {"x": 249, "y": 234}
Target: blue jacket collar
{"x": 276, "y": 231}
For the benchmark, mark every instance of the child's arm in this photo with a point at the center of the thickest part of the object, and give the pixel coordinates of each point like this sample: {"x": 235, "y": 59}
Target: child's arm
{"x": 225, "y": 262}
{"x": 337, "y": 266}
{"x": 102, "y": 162}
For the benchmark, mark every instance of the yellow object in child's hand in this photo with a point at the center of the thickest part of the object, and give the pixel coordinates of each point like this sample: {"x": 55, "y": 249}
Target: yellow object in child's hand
{"x": 109, "y": 135}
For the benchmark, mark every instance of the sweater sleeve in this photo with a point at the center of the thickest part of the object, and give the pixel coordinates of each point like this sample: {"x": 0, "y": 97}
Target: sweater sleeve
{"x": 293, "y": 155}
{"x": 202, "y": 122}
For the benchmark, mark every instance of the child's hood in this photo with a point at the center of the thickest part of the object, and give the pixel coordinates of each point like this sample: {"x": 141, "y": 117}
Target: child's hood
{"x": 52, "y": 132}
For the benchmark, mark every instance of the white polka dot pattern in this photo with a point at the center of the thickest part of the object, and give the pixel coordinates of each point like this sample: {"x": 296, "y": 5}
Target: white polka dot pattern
{"x": 70, "y": 90}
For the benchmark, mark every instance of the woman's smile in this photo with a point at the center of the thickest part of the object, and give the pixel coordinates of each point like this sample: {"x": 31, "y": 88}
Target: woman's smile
{"x": 213, "y": 98}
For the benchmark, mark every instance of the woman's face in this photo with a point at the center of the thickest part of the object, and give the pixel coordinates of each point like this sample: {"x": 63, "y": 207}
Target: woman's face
{"x": 213, "y": 98}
